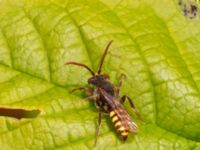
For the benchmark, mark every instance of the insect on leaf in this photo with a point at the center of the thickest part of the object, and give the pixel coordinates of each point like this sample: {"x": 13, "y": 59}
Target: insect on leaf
{"x": 154, "y": 45}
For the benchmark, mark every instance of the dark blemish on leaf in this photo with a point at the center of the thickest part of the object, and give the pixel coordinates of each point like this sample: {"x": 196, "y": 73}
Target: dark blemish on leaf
{"x": 19, "y": 113}
{"x": 189, "y": 8}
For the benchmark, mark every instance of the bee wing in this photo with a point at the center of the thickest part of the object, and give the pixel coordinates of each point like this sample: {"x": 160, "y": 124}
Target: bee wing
{"x": 108, "y": 98}
{"x": 128, "y": 121}
{"x": 132, "y": 126}
{"x": 123, "y": 115}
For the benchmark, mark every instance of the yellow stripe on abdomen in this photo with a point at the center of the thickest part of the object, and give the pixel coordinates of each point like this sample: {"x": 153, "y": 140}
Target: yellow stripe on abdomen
{"x": 124, "y": 135}
{"x": 118, "y": 125}
{"x": 112, "y": 113}
{"x": 114, "y": 116}
{"x": 116, "y": 121}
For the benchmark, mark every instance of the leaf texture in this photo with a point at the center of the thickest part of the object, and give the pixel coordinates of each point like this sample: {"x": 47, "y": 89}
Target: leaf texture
{"x": 154, "y": 45}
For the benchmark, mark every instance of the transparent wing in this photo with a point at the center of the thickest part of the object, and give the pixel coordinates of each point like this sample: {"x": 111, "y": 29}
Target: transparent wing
{"x": 126, "y": 119}
{"x": 119, "y": 109}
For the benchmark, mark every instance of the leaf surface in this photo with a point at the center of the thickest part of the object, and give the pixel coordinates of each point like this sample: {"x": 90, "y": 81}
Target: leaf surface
{"x": 154, "y": 45}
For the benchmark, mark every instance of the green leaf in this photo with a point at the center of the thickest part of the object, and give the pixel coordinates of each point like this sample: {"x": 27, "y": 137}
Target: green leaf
{"x": 154, "y": 45}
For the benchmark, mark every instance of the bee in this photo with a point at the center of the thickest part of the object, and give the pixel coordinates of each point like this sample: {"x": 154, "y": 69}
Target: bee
{"x": 189, "y": 8}
{"x": 107, "y": 99}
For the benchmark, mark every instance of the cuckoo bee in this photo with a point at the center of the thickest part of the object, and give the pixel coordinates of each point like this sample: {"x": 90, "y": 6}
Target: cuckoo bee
{"x": 107, "y": 99}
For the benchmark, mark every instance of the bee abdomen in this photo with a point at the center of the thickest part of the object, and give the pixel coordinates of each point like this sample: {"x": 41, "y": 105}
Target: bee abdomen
{"x": 119, "y": 125}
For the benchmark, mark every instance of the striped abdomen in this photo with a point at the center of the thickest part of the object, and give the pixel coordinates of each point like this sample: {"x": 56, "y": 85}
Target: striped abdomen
{"x": 122, "y": 122}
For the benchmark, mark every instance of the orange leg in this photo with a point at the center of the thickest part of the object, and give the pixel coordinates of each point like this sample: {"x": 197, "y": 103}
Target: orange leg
{"x": 98, "y": 127}
{"x": 122, "y": 100}
{"x": 117, "y": 89}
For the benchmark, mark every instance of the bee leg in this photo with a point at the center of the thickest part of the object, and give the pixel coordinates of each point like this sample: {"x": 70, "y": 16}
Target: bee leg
{"x": 77, "y": 89}
{"x": 122, "y": 100}
{"x": 93, "y": 97}
{"x": 87, "y": 90}
{"x": 98, "y": 127}
{"x": 122, "y": 76}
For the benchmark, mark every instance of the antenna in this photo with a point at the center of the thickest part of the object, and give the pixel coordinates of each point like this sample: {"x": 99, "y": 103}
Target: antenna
{"x": 103, "y": 57}
{"x": 79, "y": 64}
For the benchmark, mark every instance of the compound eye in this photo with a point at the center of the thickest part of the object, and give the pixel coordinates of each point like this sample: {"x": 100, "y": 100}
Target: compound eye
{"x": 91, "y": 80}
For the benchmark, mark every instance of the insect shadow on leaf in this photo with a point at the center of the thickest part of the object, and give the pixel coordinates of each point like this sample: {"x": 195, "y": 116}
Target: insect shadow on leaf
{"x": 107, "y": 98}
